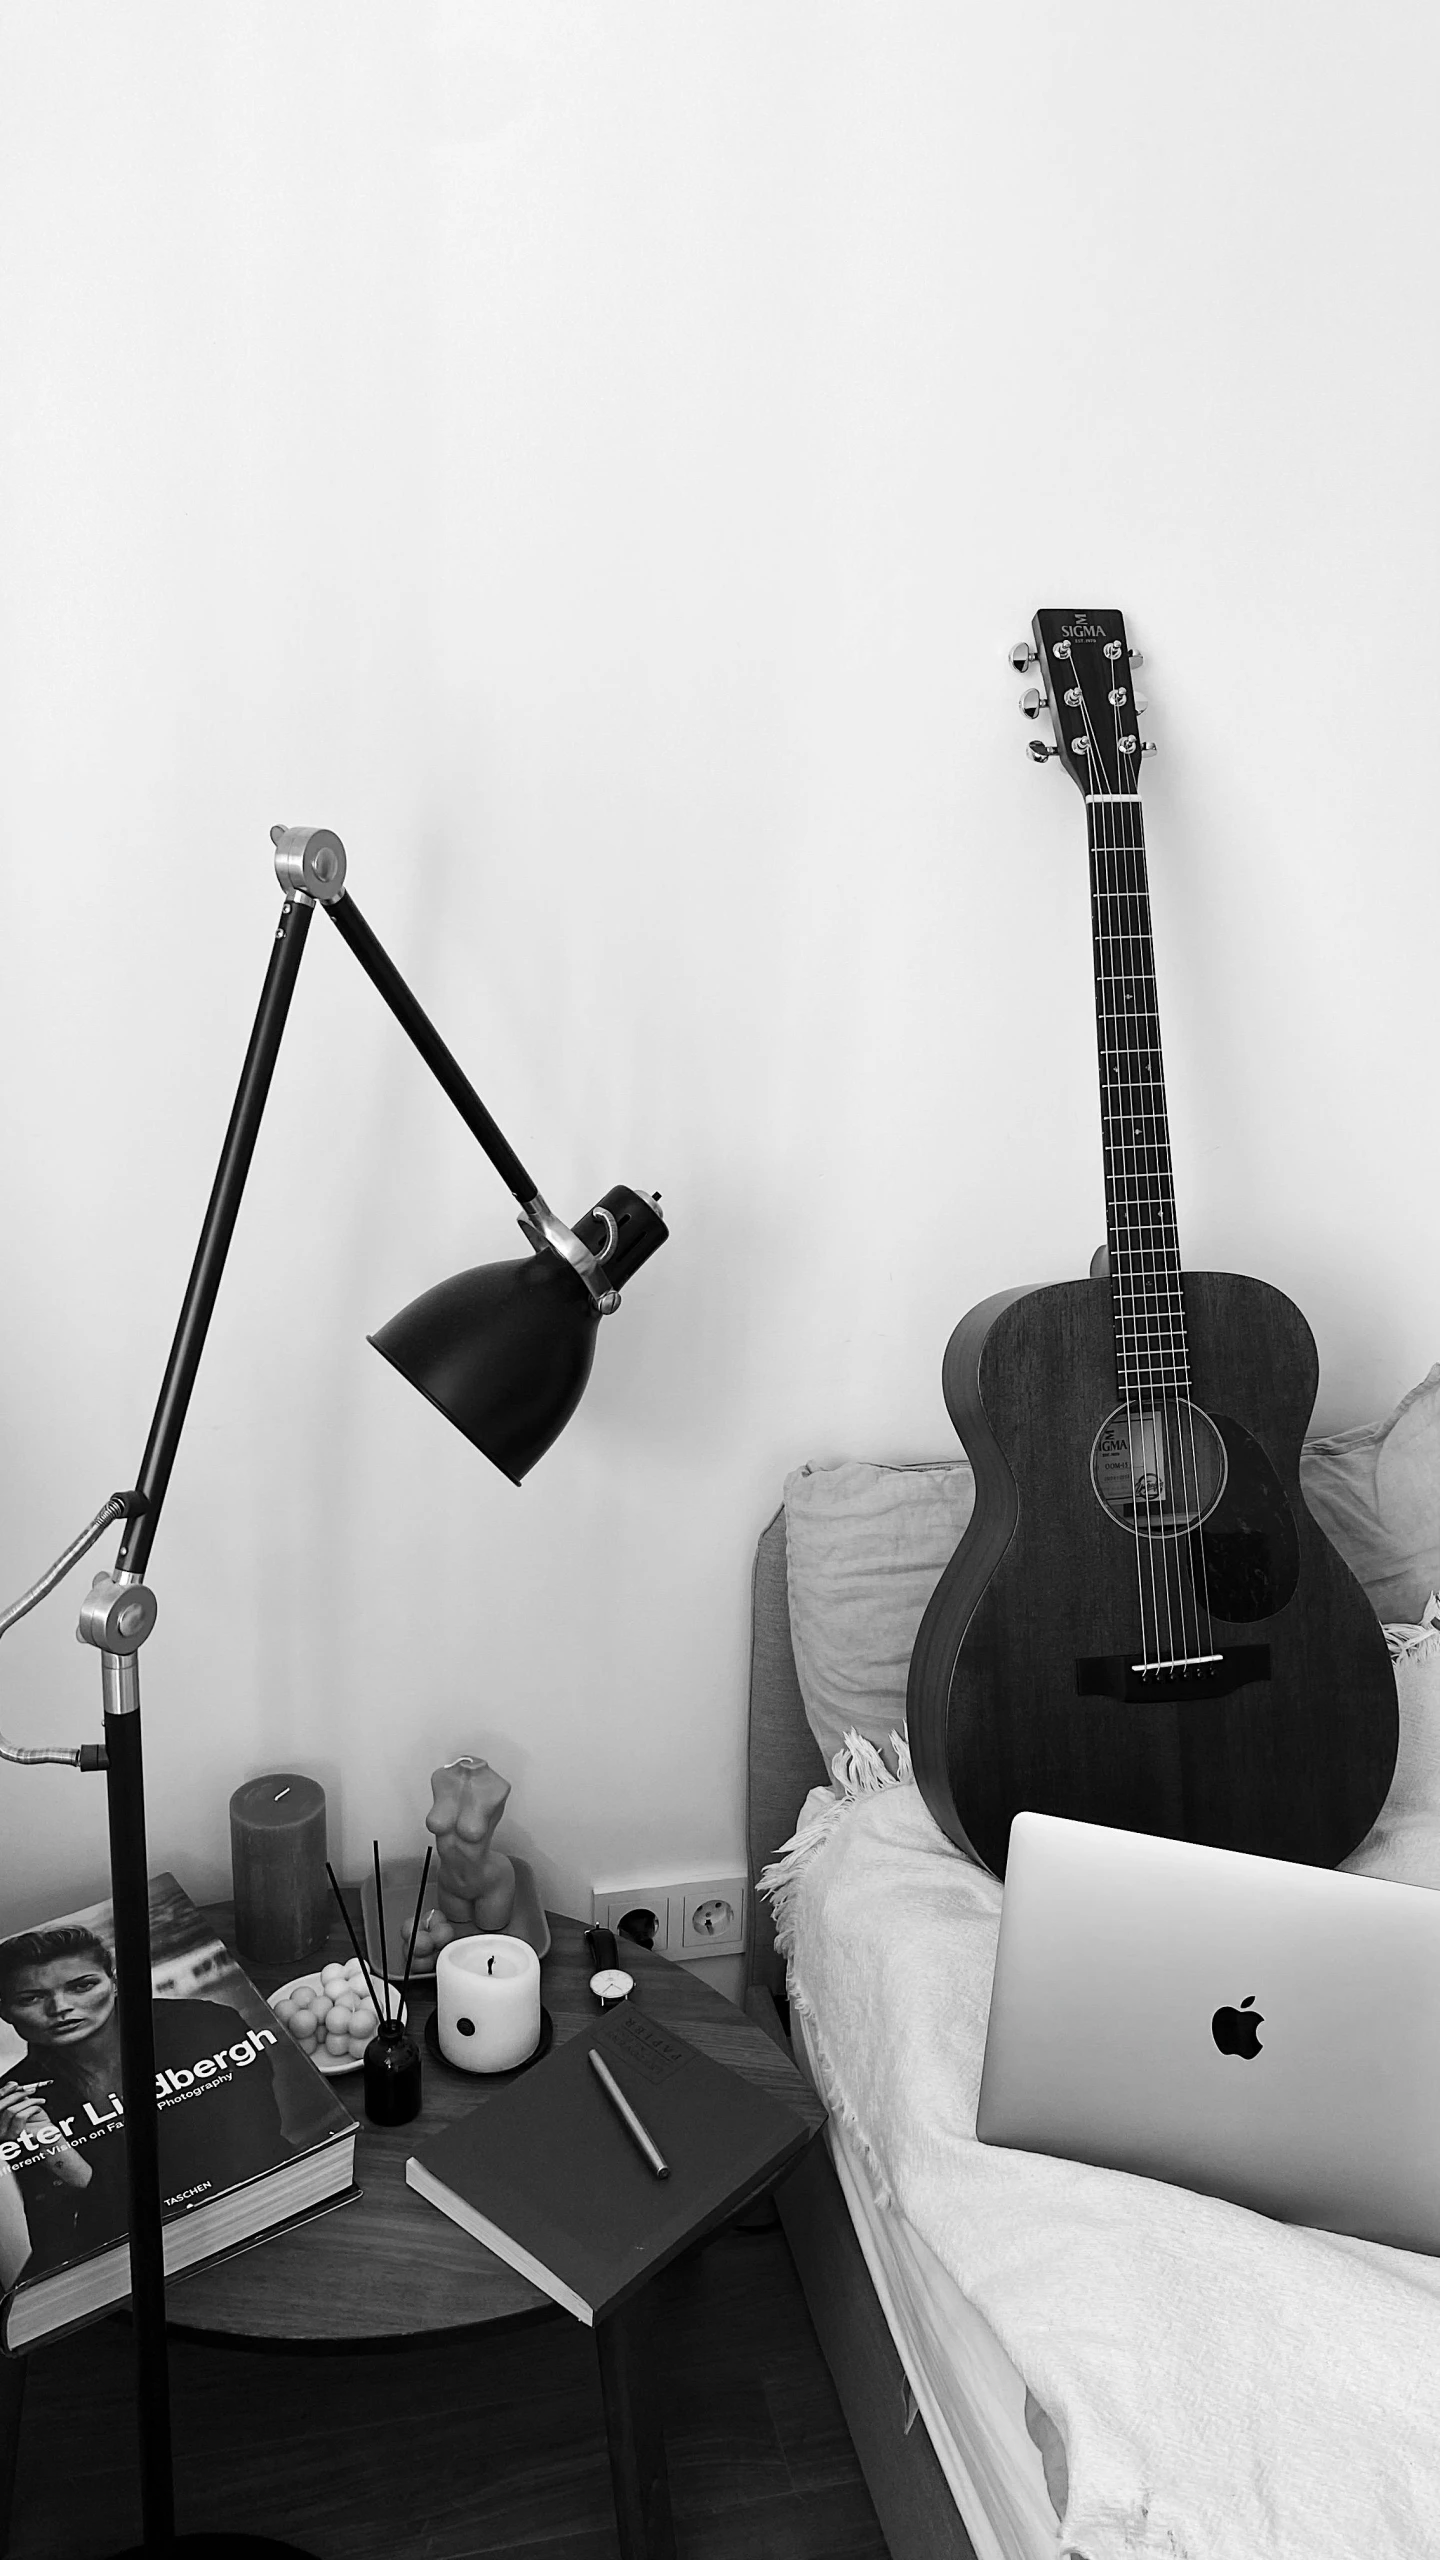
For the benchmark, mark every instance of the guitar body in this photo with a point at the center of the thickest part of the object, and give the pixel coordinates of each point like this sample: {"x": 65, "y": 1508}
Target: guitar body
{"x": 1284, "y": 1742}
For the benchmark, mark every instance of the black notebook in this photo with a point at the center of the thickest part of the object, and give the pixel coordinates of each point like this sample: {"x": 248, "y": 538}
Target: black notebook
{"x": 547, "y": 2174}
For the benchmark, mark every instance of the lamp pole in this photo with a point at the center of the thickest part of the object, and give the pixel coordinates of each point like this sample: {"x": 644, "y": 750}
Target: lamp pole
{"x": 119, "y": 1611}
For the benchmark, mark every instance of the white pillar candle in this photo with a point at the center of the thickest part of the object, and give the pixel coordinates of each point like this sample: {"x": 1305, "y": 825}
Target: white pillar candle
{"x": 487, "y": 2002}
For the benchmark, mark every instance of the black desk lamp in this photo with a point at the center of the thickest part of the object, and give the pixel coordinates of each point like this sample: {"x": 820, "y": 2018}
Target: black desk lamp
{"x": 504, "y": 1351}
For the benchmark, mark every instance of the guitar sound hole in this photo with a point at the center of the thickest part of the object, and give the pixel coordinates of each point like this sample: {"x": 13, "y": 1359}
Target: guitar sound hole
{"x": 1160, "y": 1470}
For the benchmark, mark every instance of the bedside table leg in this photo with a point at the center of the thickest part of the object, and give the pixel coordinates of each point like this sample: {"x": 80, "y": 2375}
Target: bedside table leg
{"x": 12, "y": 2402}
{"x": 634, "y": 2424}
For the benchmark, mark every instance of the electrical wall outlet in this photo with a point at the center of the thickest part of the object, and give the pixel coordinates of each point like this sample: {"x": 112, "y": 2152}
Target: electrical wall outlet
{"x": 645, "y": 1906}
{"x": 707, "y": 1919}
{"x": 686, "y": 1922}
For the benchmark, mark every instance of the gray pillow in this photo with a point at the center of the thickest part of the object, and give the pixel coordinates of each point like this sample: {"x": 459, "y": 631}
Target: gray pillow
{"x": 1405, "y": 1843}
{"x": 865, "y": 1546}
{"x": 1375, "y": 1491}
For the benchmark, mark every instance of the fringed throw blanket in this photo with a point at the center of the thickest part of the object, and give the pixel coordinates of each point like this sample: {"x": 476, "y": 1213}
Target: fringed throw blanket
{"x": 1225, "y": 2387}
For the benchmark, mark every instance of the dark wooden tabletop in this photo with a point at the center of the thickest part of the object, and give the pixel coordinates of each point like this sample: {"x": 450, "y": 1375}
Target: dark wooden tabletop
{"x": 389, "y": 2267}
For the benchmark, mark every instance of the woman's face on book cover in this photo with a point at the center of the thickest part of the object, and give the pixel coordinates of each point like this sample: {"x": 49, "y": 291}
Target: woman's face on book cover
{"x": 60, "y": 2002}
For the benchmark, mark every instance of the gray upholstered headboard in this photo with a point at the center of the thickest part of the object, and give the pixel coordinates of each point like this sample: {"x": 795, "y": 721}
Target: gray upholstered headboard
{"x": 782, "y": 1759}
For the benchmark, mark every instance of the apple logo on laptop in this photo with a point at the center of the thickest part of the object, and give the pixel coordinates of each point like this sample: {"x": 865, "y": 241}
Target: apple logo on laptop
{"x": 1234, "y": 2029}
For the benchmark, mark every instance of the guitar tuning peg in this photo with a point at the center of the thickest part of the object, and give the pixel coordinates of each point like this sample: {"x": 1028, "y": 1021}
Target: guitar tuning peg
{"x": 1148, "y": 747}
{"x": 1038, "y": 752}
{"x": 1136, "y": 659}
{"x": 1023, "y": 657}
{"x": 1033, "y": 702}
{"x": 1142, "y": 702}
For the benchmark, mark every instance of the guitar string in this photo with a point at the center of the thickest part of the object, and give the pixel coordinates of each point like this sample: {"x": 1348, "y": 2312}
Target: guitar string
{"x": 1203, "y": 1636}
{"x": 1194, "y": 1546}
{"x": 1152, "y": 1343}
{"x": 1182, "y": 1456}
{"x": 1156, "y": 1341}
{"x": 1105, "y": 938}
{"x": 1109, "y": 824}
{"x": 1101, "y": 826}
{"x": 1137, "y": 1321}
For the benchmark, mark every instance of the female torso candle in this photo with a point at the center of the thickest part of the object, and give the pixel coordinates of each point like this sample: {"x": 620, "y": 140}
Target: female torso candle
{"x": 487, "y": 2002}
{"x": 277, "y": 1858}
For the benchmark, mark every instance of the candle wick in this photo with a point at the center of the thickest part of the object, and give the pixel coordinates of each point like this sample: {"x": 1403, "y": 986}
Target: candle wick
{"x": 283, "y": 1792}
{"x": 489, "y": 1964}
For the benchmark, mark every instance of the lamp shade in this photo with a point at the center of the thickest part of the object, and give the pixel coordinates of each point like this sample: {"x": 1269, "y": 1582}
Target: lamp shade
{"x": 504, "y": 1351}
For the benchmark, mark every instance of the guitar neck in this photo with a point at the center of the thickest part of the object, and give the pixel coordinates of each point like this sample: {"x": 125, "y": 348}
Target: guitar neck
{"x": 1151, "y": 1353}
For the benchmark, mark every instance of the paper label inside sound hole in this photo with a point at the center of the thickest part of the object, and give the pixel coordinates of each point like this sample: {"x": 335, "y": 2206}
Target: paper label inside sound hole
{"x": 1158, "y": 1471}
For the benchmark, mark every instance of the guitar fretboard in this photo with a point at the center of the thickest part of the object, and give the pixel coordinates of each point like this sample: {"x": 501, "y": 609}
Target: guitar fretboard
{"x": 1151, "y": 1355}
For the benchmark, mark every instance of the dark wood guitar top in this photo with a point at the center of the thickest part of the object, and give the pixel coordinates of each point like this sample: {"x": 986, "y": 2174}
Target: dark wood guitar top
{"x": 389, "y": 2267}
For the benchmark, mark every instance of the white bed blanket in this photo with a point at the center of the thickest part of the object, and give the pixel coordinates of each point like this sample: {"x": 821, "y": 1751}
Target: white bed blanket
{"x": 1226, "y": 2387}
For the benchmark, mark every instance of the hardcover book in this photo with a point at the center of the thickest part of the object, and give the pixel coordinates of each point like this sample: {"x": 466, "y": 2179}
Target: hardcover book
{"x": 547, "y": 2174}
{"x": 250, "y": 2134}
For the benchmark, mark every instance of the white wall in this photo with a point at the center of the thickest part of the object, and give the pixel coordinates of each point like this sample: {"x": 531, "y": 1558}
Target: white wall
{"x": 597, "y": 459}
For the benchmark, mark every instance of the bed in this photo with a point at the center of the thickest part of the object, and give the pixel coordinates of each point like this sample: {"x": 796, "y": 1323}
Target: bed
{"x": 861, "y": 2283}
{"x": 963, "y": 2461}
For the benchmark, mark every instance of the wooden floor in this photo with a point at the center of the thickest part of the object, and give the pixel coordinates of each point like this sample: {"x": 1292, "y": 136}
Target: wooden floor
{"x": 496, "y": 2449}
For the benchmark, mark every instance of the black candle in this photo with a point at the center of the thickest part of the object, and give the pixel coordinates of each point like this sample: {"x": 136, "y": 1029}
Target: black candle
{"x": 277, "y": 1857}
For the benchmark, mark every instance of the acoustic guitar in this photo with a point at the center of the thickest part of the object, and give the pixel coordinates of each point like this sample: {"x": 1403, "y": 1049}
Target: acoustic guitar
{"x": 1142, "y": 1625}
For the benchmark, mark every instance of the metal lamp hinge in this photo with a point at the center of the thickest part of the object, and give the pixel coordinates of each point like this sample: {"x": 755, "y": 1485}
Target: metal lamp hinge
{"x": 539, "y": 1222}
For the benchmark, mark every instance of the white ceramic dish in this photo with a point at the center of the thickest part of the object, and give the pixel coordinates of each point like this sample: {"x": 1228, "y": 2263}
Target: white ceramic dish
{"x": 331, "y": 2063}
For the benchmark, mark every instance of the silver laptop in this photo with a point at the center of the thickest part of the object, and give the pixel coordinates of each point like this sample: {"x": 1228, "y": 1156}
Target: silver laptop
{"x": 1264, "y": 2032}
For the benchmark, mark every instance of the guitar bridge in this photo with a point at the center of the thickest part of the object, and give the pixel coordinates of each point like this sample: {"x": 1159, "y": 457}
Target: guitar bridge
{"x": 1210, "y": 1675}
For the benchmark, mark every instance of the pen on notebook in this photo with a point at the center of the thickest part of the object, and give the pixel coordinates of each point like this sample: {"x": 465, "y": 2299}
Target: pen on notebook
{"x": 628, "y": 2117}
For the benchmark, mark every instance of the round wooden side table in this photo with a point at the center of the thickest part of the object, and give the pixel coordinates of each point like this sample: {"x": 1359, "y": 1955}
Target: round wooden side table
{"x": 388, "y": 2270}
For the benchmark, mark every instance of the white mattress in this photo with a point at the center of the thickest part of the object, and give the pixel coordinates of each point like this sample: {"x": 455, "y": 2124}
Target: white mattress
{"x": 965, "y": 2387}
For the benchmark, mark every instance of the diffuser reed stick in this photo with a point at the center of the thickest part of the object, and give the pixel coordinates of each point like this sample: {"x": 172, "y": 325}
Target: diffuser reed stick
{"x": 354, "y": 1941}
{"x": 414, "y": 1926}
{"x": 380, "y": 1916}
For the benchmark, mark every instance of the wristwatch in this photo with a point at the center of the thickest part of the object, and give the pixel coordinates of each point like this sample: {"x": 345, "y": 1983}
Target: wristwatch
{"x": 609, "y": 1983}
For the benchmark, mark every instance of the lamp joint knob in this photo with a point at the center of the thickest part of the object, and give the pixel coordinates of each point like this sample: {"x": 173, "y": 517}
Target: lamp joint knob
{"x": 116, "y": 1615}
{"x": 310, "y": 863}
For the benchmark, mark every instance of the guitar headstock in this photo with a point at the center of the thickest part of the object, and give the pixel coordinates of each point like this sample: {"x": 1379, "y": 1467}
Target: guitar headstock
{"x": 1089, "y": 692}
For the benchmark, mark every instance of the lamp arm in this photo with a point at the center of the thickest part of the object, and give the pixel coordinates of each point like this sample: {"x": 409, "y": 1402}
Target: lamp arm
{"x": 223, "y": 1208}
{"x": 321, "y": 875}
{"x": 383, "y": 975}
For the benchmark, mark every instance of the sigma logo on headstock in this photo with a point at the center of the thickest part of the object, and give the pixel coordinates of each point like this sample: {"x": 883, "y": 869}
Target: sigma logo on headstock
{"x": 1083, "y": 629}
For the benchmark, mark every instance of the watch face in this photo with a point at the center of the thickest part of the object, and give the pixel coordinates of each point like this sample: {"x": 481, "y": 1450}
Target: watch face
{"x": 612, "y": 1985}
